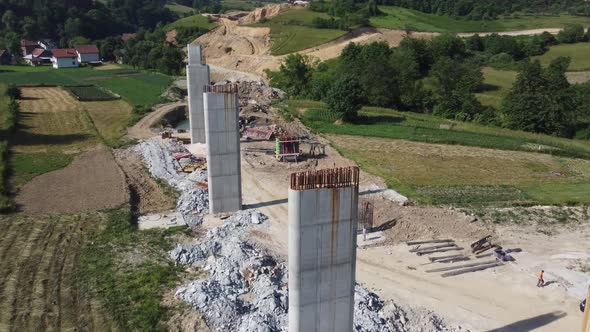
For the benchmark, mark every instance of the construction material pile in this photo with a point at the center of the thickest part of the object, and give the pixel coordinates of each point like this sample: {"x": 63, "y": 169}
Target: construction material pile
{"x": 246, "y": 289}
{"x": 257, "y": 96}
{"x": 158, "y": 156}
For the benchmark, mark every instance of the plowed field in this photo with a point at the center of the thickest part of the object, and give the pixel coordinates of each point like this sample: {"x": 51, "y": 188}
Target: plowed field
{"x": 39, "y": 264}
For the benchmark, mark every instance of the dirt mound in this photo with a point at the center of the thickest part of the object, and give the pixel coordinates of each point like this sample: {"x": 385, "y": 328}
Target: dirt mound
{"x": 146, "y": 195}
{"x": 267, "y": 11}
{"x": 231, "y": 39}
{"x": 93, "y": 181}
{"x": 410, "y": 223}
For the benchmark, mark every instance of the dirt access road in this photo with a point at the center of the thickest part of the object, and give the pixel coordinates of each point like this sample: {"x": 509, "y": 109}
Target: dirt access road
{"x": 504, "y": 299}
{"x": 143, "y": 128}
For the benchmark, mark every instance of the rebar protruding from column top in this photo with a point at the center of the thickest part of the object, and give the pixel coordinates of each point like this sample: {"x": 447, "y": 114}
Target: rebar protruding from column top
{"x": 326, "y": 178}
{"x": 222, "y": 88}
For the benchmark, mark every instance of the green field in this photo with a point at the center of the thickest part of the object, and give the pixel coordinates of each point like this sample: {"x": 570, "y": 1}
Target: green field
{"x": 135, "y": 86}
{"x": 292, "y": 31}
{"x": 388, "y": 123}
{"x": 7, "y": 123}
{"x": 497, "y": 84}
{"x": 179, "y": 9}
{"x": 195, "y": 21}
{"x": 402, "y": 18}
{"x": 577, "y": 52}
{"x": 467, "y": 164}
{"x": 90, "y": 93}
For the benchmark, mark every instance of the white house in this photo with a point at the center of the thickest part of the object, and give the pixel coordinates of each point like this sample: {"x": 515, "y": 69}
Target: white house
{"x": 88, "y": 54}
{"x": 65, "y": 58}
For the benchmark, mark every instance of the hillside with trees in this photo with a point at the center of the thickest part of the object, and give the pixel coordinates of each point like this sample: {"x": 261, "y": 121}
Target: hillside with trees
{"x": 441, "y": 77}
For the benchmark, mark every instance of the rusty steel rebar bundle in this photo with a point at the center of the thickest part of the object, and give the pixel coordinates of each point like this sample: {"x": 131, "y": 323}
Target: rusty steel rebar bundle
{"x": 222, "y": 88}
{"x": 326, "y": 178}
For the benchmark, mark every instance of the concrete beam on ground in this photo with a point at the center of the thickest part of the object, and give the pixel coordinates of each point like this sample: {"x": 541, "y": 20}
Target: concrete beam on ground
{"x": 197, "y": 76}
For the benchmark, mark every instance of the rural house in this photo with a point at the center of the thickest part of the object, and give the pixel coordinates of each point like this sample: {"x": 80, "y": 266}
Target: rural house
{"x": 88, "y": 54}
{"x": 27, "y": 46}
{"x": 65, "y": 58}
{"x": 126, "y": 36}
{"x": 47, "y": 44}
{"x": 39, "y": 56}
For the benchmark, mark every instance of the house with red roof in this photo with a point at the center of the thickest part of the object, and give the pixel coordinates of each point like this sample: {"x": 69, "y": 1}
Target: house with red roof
{"x": 64, "y": 58}
{"x": 27, "y": 46}
{"x": 38, "y": 56}
{"x": 88, "y": 54}
{"x": 126, "y": 36}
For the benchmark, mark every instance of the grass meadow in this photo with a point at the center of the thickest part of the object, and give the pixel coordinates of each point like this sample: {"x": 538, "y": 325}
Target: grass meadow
{"x": 135, "y": 86}
{"x": 194, "y": 21}
{"x": 179, "y": 9}
{"x": 468, "y": 164}
{"x": 292, "y": 31}
{"x": 579, "y": 54}
{"x": 402, "y": 18}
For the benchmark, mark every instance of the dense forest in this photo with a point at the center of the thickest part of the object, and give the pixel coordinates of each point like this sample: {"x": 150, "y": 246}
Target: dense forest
{"x": 441, "y": 76}
{"x": 62, "y": 20}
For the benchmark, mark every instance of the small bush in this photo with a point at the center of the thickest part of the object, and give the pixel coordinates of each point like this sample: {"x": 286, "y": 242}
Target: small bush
{"x": 13, "y": 92}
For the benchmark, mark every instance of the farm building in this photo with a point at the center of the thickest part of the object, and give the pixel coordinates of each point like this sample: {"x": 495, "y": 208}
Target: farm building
{"x": 65, "y": 58}
{"x": 126, "y": 36}
{"x": 27, "y": 46}
{"x": 39, "y": 56}
{"x": 88, "y": 54}
{"x": 47, "y": 44}
{"x": 5, "y": 57}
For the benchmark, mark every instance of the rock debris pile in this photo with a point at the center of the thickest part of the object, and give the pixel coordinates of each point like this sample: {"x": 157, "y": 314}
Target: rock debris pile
{"x": 257, "y": 96}
{"x": 158, "y": 156}
{"x": 246, "y": 289}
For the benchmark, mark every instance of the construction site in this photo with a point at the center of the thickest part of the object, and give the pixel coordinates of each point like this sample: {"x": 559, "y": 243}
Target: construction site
{"x": 280, "y": 229}
{"x": 295, "y": 237}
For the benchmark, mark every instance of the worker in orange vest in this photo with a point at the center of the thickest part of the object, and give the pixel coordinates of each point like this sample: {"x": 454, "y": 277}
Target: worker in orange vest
{"x": 541, "y": 282}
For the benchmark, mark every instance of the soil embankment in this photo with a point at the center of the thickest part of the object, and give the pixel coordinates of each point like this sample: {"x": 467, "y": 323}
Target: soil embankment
{"x": 93, "y": 181}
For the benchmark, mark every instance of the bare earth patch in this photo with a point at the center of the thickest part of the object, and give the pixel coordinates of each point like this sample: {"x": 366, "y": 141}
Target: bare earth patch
{"x": 93, "y": 181}
{"x": 146, "y": 194}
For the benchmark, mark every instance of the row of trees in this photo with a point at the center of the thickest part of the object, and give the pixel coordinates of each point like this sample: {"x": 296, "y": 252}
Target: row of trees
{"x": 440, "y": 76}
{"x": 505, "y": 51}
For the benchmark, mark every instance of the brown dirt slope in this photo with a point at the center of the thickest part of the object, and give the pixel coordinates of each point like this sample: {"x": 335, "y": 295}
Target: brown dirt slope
{"x": 267, "y": 11}
{"x": 146, "y": 195}
{"x": 93, "y": 181}
{"x": 39, "y": 262}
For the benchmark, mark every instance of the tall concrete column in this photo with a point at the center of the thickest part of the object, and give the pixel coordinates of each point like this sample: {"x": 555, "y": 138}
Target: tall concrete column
{"x": 322, "y": 249}
{"x": 222, "y": 128}
{"x": 197, "y": 76}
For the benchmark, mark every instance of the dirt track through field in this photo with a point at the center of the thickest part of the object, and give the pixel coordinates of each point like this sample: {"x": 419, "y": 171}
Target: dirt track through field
{"x": 143, "y": 128}
{"x": 39, "y": 289}
{"x": 93, "y": 181}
